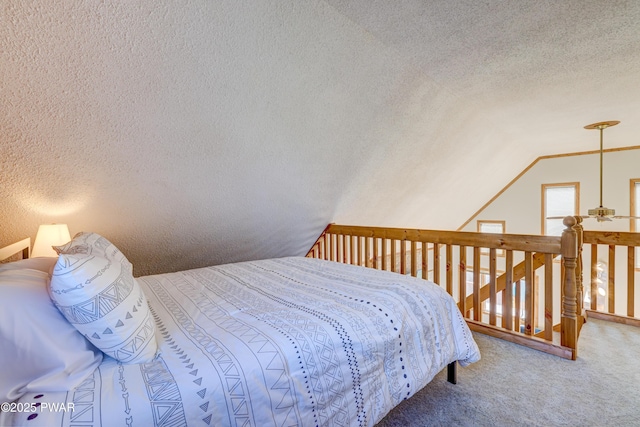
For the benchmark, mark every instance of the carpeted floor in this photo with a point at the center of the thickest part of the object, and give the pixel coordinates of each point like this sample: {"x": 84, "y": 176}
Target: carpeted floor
{"x": 517, "y": 386}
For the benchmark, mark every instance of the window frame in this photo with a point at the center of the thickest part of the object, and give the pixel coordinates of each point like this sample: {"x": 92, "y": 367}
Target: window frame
{"x": 576, "y": 205}
{"x": 484, "y": 251}
{"x": 634, "y": 210}
{"x": 634, "y": 205}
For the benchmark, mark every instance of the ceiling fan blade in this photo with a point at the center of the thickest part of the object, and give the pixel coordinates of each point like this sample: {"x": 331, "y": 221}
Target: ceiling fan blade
{"x": 598, "y": 217}
{"x": 563, "y": 217}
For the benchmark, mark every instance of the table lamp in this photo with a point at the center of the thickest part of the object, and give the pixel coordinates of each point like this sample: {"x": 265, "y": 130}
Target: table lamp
{"x": 50, "y": 235}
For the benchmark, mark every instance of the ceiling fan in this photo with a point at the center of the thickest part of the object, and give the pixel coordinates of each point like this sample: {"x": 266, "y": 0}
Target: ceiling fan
{"x": 601, "y": 213}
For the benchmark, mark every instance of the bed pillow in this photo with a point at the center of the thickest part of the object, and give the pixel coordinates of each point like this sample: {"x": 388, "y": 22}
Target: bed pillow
{"x": 93, "y": 244}
{"x": 39, "y": 263}
{"x": 100, "y": 298}
{"x": 39, "y": 349}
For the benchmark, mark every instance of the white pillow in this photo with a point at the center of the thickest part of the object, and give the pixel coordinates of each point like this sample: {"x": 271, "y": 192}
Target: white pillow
{"x": 101, "y": 299}
{"x": 39, "y": 263}
{"x": 39, "y": 349}
{"x": 93, "y": 244}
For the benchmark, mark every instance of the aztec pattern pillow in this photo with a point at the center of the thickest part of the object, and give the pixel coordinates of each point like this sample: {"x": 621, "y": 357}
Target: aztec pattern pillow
{"x": 93, "y": 244}
{"x": 93, "y": 287}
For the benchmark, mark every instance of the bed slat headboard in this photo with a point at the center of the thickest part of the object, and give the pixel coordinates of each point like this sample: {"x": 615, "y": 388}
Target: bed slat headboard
{"x": 22, "y": 245}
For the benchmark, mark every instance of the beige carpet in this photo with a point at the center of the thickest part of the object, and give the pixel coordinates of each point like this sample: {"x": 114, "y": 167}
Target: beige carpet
{"x": 516, "y": 386}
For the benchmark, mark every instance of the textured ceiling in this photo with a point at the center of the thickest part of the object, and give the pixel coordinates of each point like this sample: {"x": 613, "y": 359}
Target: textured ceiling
{"x": 200, "y": 132}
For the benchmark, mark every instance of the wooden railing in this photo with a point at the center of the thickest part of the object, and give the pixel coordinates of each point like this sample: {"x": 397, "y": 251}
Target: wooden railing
{"x": 522, "y": 288}
{"x": 611, "y": 266}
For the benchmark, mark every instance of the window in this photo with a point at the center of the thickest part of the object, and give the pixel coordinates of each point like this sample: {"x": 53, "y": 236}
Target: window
{"x": 558, "y": 201}
{"x": 491, "y": 226}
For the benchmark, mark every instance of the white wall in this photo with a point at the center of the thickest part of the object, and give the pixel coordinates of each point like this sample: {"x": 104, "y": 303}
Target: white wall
{"x": 520, "y": 205}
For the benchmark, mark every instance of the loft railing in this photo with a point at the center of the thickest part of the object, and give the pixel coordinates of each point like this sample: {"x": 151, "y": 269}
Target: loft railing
{"x": 612, "y": 269}
{"x": 522, "y": 288}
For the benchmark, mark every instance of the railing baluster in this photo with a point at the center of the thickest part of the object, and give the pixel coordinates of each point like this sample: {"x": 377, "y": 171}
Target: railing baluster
{"x": 436, "y": 263}
{"x": 425, "y": 260}
{"x": 367, "y": 252}
{"x": 403, "y": 257}
{"x": 334, "y": 248}
{"x": 327, "y": 248}
{"x": 507, "y": 302}
{"x": 376, "y": 265}
{"x": 462, "y": 280}
{"x": 518, "y": 304}
{"x": 611, "y": 275}
{"x": 477, "y": 309}
{"x": 529, "y": 327}
{"x": 493, "y": 299}
{"x": 594, "y": 277}
{"x": 414, "y": 264}
{"x": 449, "y": 269}
{"x": 631, "y": 279}
{"x": 355, "y": 258}
{"x": 548, "y": 297}
{"x": 384, "y": 254}
{"x": 394, "y": 248}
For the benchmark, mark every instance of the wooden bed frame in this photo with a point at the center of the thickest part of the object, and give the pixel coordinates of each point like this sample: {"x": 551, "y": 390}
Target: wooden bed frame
{"x": 457, "y": 260}
{"x": 23, "y": 246}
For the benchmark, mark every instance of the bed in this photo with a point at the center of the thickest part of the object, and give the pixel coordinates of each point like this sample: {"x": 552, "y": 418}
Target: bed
{"x": 288, "y": 341}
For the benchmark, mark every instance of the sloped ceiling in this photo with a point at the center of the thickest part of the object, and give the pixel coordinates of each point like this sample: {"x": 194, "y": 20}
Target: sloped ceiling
{"x": 203, "y": 132}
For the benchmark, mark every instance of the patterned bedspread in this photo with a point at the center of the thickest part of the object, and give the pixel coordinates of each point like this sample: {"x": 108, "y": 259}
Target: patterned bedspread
{"x": 280, "y": 342}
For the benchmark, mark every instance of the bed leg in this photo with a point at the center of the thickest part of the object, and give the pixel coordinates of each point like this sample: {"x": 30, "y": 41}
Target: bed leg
{"x": 452, "y": 372}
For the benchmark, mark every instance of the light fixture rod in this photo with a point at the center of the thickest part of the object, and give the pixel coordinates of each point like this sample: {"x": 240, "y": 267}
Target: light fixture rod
{"x": 601, "y": 126}
{"x": 601, "y": 167}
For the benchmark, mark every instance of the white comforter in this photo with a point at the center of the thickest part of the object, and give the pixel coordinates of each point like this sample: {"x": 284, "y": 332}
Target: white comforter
{"x": 281, "y": 342}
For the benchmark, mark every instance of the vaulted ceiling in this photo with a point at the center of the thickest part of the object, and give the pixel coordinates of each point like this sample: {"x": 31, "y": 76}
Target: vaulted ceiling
{"x": 202, "y": 132}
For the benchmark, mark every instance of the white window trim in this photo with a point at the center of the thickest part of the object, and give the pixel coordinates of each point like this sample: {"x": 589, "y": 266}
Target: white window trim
{"x": 484, "y": 251}
{"x": 576, "y": 207}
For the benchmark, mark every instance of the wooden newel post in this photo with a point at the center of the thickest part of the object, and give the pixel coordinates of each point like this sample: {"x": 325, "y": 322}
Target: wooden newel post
{"x": 569, "y": 317}
{"x": 579, "y": 276}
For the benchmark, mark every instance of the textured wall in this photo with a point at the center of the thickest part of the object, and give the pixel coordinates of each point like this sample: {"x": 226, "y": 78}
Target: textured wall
{"x": 200, "y": 132}
{"x": 188, "y": 134}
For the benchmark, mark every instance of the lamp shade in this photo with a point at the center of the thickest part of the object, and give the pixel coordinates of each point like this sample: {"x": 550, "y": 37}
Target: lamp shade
{"x": 50, "y": 235}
